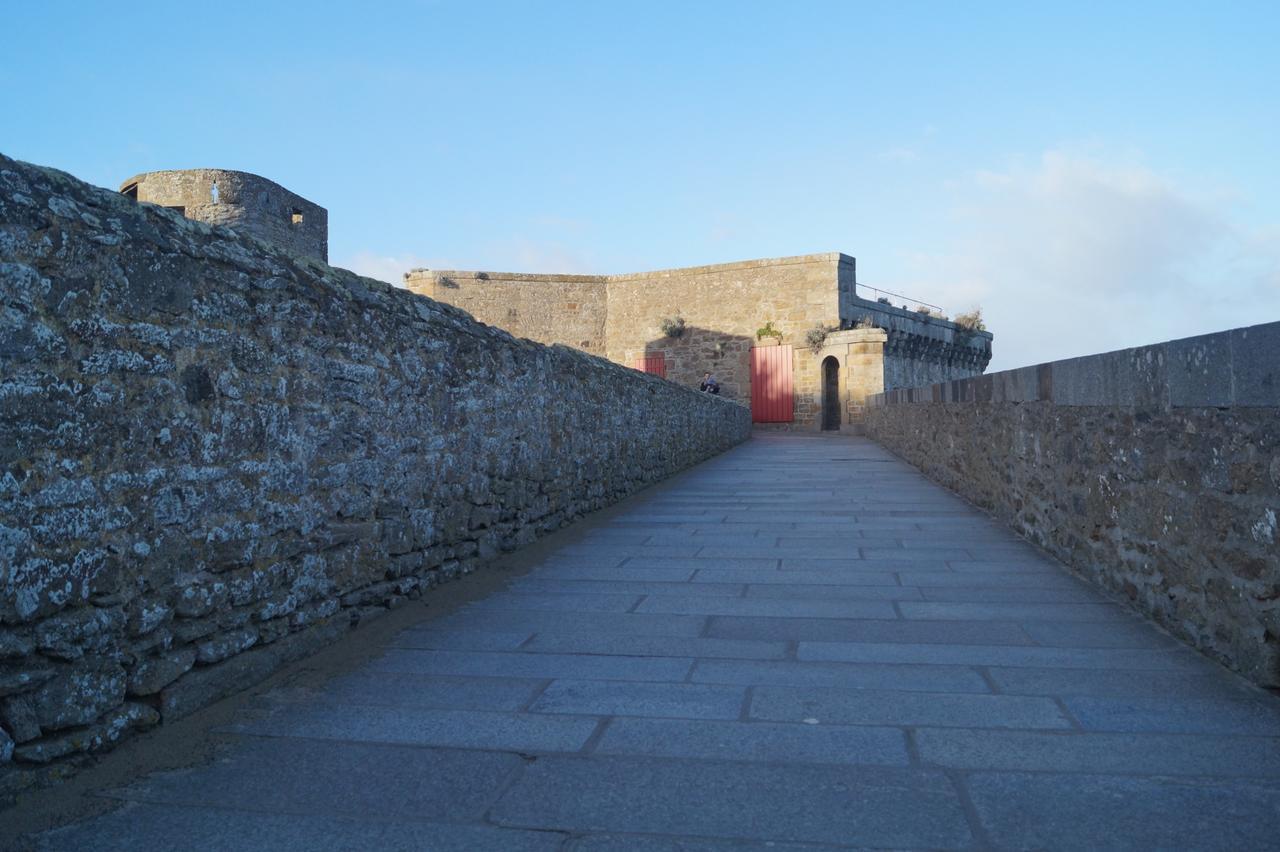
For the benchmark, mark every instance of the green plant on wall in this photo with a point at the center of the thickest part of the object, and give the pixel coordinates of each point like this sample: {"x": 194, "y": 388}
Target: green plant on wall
{"x": 672, "y": 327}
{"x": 968, "y": 325}
{"x": 817, "y": 336}
{"x": 971, "y": 321}
{"x": 767, "y": 330}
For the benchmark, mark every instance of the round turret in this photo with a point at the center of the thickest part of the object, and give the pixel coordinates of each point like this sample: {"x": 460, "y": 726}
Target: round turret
{"x": 239, "y": 200}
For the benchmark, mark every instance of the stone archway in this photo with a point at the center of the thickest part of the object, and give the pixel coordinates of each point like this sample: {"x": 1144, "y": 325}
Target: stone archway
{"x": 830, "y": 394}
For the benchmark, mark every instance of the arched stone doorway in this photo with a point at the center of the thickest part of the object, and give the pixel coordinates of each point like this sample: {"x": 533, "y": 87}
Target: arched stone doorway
{"x": 830, "y": 394}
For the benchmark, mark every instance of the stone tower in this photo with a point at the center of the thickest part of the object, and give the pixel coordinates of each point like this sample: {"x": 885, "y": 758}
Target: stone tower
{"x": 246, "y": 202}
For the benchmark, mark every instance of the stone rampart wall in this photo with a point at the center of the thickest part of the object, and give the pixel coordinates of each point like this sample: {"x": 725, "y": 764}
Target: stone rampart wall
{"x": 566, "y": 309}
{"x": 1154, "y": 472}
{"x": 215, "y": 456}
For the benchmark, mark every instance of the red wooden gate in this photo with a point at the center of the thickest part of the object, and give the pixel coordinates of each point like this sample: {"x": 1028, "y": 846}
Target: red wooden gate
{"x": 656, "y": 364}
{"x": 771, "y": 393}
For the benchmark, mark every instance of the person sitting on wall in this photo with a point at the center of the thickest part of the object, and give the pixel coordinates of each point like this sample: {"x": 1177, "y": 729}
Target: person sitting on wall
{"x": 709, "y": 383}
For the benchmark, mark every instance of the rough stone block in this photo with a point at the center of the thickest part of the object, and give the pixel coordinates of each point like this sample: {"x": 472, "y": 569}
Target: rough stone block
{"x": 79, "y": 695}
{"x": 151, "y": 675}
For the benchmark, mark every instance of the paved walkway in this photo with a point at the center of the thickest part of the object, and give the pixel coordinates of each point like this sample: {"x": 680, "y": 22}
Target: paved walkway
{"x": 805, "y": 643}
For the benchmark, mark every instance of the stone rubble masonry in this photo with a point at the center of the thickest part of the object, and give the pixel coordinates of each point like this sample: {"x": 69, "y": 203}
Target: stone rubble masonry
{"x": 723, "y": 306}
{"x": 216, "y": 456}
{"x": 246, "y": 202}
{"x": 1154, "y": 472}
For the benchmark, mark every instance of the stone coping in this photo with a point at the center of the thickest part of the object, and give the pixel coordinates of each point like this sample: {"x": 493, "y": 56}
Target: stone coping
{"x": 824, "y": 257}
{"x": 1239, "y": 367}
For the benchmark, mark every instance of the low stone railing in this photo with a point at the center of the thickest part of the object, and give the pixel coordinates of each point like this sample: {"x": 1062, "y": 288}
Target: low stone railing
{"x": 215, "y": 457}
{"x": 1154, "y": 472}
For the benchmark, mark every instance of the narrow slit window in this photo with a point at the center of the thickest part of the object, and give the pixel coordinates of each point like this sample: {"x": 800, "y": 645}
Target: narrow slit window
{"x": 295, "y": 216}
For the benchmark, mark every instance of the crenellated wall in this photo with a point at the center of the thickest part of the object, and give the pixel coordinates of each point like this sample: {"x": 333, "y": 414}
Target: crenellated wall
{"x": 1154, "y": 472}
{"x": 216, "y": 455}
{"x": 920, "y": 349}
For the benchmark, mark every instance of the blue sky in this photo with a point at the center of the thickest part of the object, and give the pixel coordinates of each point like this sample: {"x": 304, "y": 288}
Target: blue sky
{"x": 1094, "y": 175}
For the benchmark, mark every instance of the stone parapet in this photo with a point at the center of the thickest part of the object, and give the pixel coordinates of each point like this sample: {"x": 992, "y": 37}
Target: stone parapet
{"x": 1154, "y": 472}
{"x": 216, "y": 454}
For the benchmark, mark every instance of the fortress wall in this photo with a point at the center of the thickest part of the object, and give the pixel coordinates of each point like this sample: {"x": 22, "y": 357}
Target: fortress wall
{"x": 247, "y": 202}
{"x": 1153, "y": 472}
{"x": 216, "y": 455}
{"x": 567, "y": 309}
{"x": 921, "y": 349}
{"x": 722, "y": 306}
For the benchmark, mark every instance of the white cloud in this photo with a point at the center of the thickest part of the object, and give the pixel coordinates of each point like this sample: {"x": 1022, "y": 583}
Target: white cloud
{"x": 525, "y": 255}
{"x": 900, "y": 155}
{"x": 389, "y": 268}
{"x": 1075, "y": 255}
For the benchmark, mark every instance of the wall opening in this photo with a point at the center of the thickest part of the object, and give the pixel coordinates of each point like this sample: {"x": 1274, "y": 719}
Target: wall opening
{"x": 295, "y": 215}
{"x": 130, "y": 191}
{"x": 176, "y": 208}
{"x": 830, "y": 394}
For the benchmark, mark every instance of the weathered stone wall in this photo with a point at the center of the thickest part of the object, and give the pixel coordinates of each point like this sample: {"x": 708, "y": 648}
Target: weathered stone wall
{"x": 724, "y": 305}
{"x": 251, "y": 204}
{"x": 1154, "y": 472}
{"x": 215, "y": 455}
{"x": 567, "y": 309}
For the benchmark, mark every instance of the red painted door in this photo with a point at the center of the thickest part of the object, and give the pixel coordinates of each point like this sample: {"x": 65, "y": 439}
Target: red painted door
{"x": 771, "y": 393}
{"x": 656, "y": 364}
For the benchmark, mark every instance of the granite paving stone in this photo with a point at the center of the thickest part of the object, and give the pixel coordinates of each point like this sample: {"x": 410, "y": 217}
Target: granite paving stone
{"x": 760, "y": 741}
{"x": 304, "y": 776}
{"x": 515, "y": 664}
{"x": 222, "y": 830}
{"x": 867, "y": 806}
{"x": 420, "y": 726}
{"x": 954, "y": 679}
{"x": 773, "y": 576}
{"x": 656, "y": 646}
{"x": 1043, "y": 811}
{"x": 446, "y": 692}
{"x": 1196, "y": 678}
{"x": 637, "y": 623}
{"x": 1133, "y": 634}
{"x": 565, "y": 602}
{"x": 868, "y": 630}
{"x": 627, "y": 587}
{"x": 1001, "y": 655}
{"x": 1012, "y": 611}
{"x": 774, "y": 607}
{"x": 875, "y": 707}
{"x": 610, "y": 698}
{"x": 1248, "y": 715}
{"x": 1126, "y": 754}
